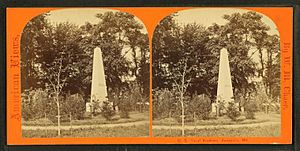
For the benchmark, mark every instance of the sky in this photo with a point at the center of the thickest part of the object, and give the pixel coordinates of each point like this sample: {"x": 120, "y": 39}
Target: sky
{"x": 76, "y": 16}
{"x": 208, "y": 16}
{"x": 204, "y": 16}
{"x": 79, "y": 16}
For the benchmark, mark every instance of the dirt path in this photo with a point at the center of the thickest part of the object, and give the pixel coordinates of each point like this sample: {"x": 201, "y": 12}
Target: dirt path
{"x": 191, "y": 127}
{"x": 64, "y": 127}
{"x": 187, "y": 127}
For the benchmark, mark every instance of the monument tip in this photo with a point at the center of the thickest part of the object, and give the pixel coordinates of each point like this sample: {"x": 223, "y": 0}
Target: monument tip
{"x": 97, "y": 49}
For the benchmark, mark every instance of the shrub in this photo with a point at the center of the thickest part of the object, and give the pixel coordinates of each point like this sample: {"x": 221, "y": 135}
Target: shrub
{"x": 200, "y": 104}
{"x": 35, "y": 104}
{"x": 74, "y": 104}
{"x": 87, "y": 115}
{"x": 164, "y": 103}
{"x": 277, "y": 107}
{"x": 222, "y": 107}
{"x": 124, "y": 114}
{"x": 27, "y": 113}
{"x": 249, "y": 115}
{"x": 107, "y": 111}
{"x": 232, "y": 111}
{"x": 96, "y": 108}
{"x": 250, "y": 109}
{"x": 125, "y": 108}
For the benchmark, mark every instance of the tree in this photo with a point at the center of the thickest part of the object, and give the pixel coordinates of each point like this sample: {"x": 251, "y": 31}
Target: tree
{"x": 165, "y": 39}
{"x": 235, "y": 37}
{"x": 58, "y": 57}
{"x": 32, "y": 43}
{"x": 142, "y": 63}
{"x": 246, "y": 38}
{"x": 181, "y": 88}
{"x": 172, "y": 43}
{"x": 249, "y": 29}
{"x": 242, "y": 35}
{"x": 54, "y": 57}
{"x": 125, "y": 51}
{"x": 181, "y": 60}
{"x": 58, "y": 61}
{"x": 270, "y": 67}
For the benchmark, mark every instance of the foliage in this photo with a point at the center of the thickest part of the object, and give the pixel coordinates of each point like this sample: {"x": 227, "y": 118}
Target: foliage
{"x": 173, "y": 47}
{"x": 36, "y": 104}
{"x": 26, "y": 111}
{"x": 131, "y": 100}
{"x": 232, "y": 111}
{"x": 125, "y": 107}
{"x": 164, "y": 103}
{"x": 57, "y": 58}
{"x": 249, "y": 114}
{"x": 222, "y": 107}
{"x": 254, "y": 56}
{"x": 107, "y": 111}
{"x": 250, "y": 108}
{"x": 200, "y": 105}
{"x": 32, "y": 40}
{"x": 114, "y": 33}
{"x": 75, "y": 105}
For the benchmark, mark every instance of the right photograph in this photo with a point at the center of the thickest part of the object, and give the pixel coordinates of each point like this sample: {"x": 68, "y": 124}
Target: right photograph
{"x": 216, "y": 72}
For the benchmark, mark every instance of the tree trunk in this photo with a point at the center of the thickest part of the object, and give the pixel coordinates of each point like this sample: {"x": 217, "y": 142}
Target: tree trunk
{"x": 182, "y": 114}
{"x": 71, "y": 123}
{"x": 194, "y": 117}
{"x": 58, "y": 115}
{"x": 46, "y": 124}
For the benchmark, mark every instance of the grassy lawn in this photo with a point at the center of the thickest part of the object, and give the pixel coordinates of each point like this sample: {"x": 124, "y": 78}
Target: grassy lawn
{"x": 134, "y": 117}
{"x": 270, "y": 131}
{"x": 130, "y": 131}
{"x": 224, "y": 120}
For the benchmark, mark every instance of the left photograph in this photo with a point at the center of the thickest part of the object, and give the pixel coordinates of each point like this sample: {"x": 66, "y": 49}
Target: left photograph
{"x": 85, "y": 73}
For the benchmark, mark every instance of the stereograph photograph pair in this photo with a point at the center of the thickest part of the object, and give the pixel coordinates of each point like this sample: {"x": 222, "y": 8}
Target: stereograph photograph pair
{"x": 149, "y": 75}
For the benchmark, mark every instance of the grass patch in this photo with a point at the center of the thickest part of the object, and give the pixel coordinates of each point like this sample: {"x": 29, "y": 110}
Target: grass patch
{"x": 265, "y": 131}
{"x": 224, "y": 120}
{"x": 121, "y": 131}
{"x": 134, "y": 117}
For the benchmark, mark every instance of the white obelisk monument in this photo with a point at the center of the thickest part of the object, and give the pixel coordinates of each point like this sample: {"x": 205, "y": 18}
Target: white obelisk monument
{"x": 224, "y": 91}
{"x": 98, "y": 90}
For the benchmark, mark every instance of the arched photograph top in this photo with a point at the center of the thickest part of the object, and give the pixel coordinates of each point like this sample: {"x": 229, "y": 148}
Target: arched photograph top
{"x": 216, "y": 72}
{"x": 85, "y": 73}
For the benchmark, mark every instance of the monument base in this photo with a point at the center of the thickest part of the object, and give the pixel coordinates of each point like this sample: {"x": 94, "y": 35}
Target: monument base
{"x": 220, "y": 109}
{"x": 96, "y": 106}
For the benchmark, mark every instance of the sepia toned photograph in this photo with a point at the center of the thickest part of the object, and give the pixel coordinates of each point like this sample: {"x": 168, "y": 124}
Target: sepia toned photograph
{"x": 85, "y": 73}
{"x": 216, "y": 73}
